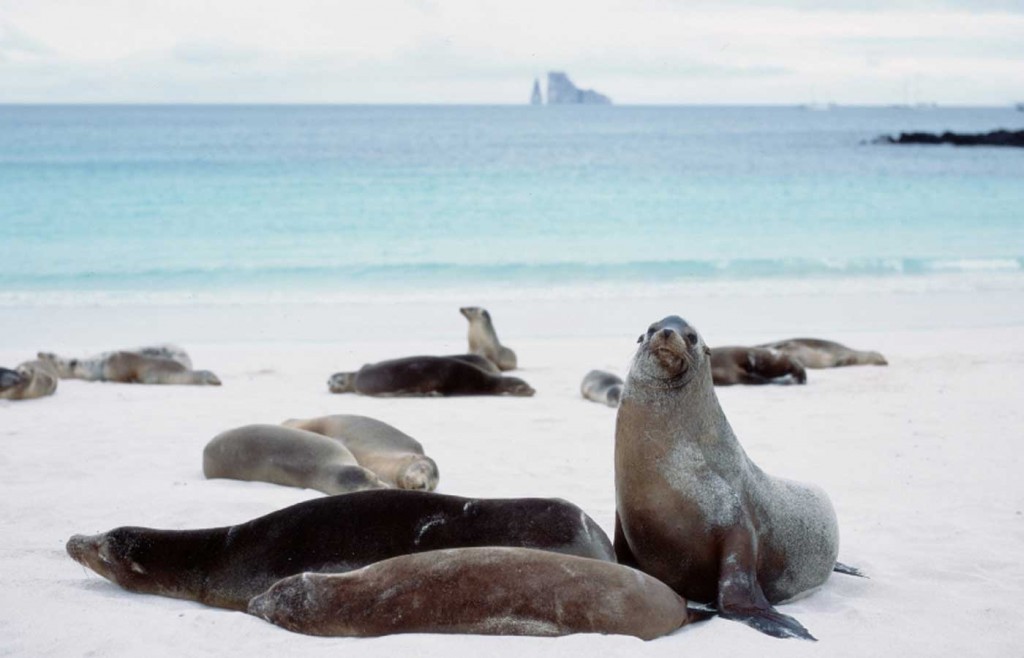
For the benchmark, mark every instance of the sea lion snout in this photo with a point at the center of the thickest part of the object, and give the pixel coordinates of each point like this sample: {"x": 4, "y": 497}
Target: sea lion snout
{"x": 80, "y": 547}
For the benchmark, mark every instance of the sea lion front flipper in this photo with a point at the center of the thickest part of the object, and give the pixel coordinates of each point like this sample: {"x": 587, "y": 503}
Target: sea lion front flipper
{"x": 740, "y": 597}
{"x": 623, "y": 554}
{"x": 848, "y": 570}
{"x": 9, "y": 378}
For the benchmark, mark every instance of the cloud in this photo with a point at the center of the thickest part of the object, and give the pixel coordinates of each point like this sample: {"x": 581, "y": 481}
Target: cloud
{"x": 15, "y": 44}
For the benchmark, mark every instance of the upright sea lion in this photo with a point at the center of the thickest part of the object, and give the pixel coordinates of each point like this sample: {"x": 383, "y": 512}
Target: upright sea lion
{"x": 145, "y": 365}
{"x": 32, "y": 379}
{"x": 425, "y": 375}
{"x": 817, "y": 353}
{"x": 288, "y": 456}
{"x": 483, "y": 339}
{"x": 481, "y": 591}
{"x": 754, "y": 365}
{"x": 393, "y": 455}
{"x": 693, "y": 510}
{"x": 227, "y": 566}
{"x": 601, "y": 386}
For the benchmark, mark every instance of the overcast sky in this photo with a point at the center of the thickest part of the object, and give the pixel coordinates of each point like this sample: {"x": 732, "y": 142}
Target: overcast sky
{"x": 489, "y": 51}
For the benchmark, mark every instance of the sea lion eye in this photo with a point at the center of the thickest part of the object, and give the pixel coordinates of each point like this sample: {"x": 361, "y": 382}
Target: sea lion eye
{"x": 691, "y": 338}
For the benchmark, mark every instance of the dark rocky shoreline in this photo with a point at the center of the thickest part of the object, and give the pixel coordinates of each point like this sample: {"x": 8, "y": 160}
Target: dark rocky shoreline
{"x": 994, "y": 138}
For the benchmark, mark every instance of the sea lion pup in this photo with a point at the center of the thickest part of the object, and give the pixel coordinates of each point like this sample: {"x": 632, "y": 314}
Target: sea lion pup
{"x": 754, "y": 365}
{"x": 693, "y": 510}
{"x": 288, "y": 456}
{"x": 32, "y": 379}
{"x": 141, "y": 366}
{"x": 227, "y": 566}
{"x": 481, "y": 591}
{"x": 817, "y": 353}
{"x": 423, "y": 376}
{"x": 483, "y": 339}
{"x": 601, "y": 386}
{"x": 393, "y": 455}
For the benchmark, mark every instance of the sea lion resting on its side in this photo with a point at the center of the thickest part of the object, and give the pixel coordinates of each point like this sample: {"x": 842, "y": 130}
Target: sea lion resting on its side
{"x": 426, "y": 376}
{"x": 394, "y": 456}
{"x": 161, "y": 364}
{"x": 817, "y": 353}
{"x": 754, "y": 365}
{"x": 483, "y": 339}
{"x": 288, "y": 456}
{"x": 32, "y": 379}
{"x": 601, "y": 386}
{"x": 693, "y": 510}
{"x": 482, "y": 591}
{"x": 227, "y": 566}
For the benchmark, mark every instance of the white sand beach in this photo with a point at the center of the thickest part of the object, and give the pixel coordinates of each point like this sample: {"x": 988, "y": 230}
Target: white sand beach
{"x": 922, "y": 459}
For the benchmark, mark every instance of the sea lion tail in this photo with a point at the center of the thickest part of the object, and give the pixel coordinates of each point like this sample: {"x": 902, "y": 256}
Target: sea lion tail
{"x": 848, "y": 570}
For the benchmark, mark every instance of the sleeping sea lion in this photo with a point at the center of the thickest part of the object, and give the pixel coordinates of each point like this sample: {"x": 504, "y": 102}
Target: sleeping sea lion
{"x": 817, "y": 353}
{"x": 288, "y": 456}
{"x": 145, "y": 365}
{"x": 393, "y": 455}
{"x": 425, "y": 376}
{"x": 481, "y": 591}
{"x": 601, "y": 386}
{"x": 225, "y": 567}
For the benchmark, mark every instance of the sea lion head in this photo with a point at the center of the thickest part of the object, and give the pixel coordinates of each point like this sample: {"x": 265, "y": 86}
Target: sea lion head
{"x": 64, "y": 368}
{"x": 419, "y": 474}
{"x": 670, "y": 353}
{"x": 206, "y": 378}
{"x": 475, "y": 314}
{"x": 121, "y": 556}
{"x": 342, "y": 382}
{"x": 515, "y": 386}
{"x": 876, "y": 359}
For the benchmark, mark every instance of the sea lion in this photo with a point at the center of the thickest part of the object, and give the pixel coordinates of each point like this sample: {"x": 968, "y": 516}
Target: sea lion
{"x": 288, "y": 456}
{"x": 393, "y": 455}
{"x": 161, "y": 364}
{"x": 481, "y": 591}
{"x": 483, "y": 339}
{"x": 754, "y": 365}
{"x": 817, "y": 353}
{"x": 32, "y": 379}
{"x": 227, "y": 566}
{"x": 601, "y": 386}
{"x": 693, "y": 510}
{"x": 423, "y": 376}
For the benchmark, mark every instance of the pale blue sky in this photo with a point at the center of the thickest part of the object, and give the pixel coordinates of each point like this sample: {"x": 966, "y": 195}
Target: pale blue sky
{"x": 488, "y": 51}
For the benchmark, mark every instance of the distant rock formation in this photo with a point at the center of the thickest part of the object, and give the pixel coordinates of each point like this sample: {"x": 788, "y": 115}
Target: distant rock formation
{"x": 535, "y": 97}
{"x": 994, "y": 138}
{"x": 561, "y": 91}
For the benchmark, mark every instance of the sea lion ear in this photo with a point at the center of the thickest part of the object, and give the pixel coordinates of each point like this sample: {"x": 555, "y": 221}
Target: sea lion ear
{"x": 640, "y": 338}
{"x": 707, "y": 350}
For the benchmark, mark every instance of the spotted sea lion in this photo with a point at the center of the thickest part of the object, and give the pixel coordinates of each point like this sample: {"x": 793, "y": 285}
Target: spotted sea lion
{"x": 754, "y": 365}
{"x": 693, "y": 510}
{"x": 227, "y": 566}
{"x": 481, "y": 591}
{"x": 483, "y": 339}
{"x": 393, "y": 455}
{"x": 601, "y": 386}
{"x": 32, "y": 379}
{"x": 288, "y": 456}
{"x": 145, "y": 365}
{"x": 425, "y": 376}
{"x": 817, "y": 353}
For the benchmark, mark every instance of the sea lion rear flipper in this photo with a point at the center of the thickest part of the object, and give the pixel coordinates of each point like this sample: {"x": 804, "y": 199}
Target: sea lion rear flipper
{"x": 740, "y": 596}
{"x": 848, "y": 570}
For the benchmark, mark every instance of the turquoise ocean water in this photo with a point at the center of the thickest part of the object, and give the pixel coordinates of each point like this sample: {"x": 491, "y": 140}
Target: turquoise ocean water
{"x": 101, "y": 203}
